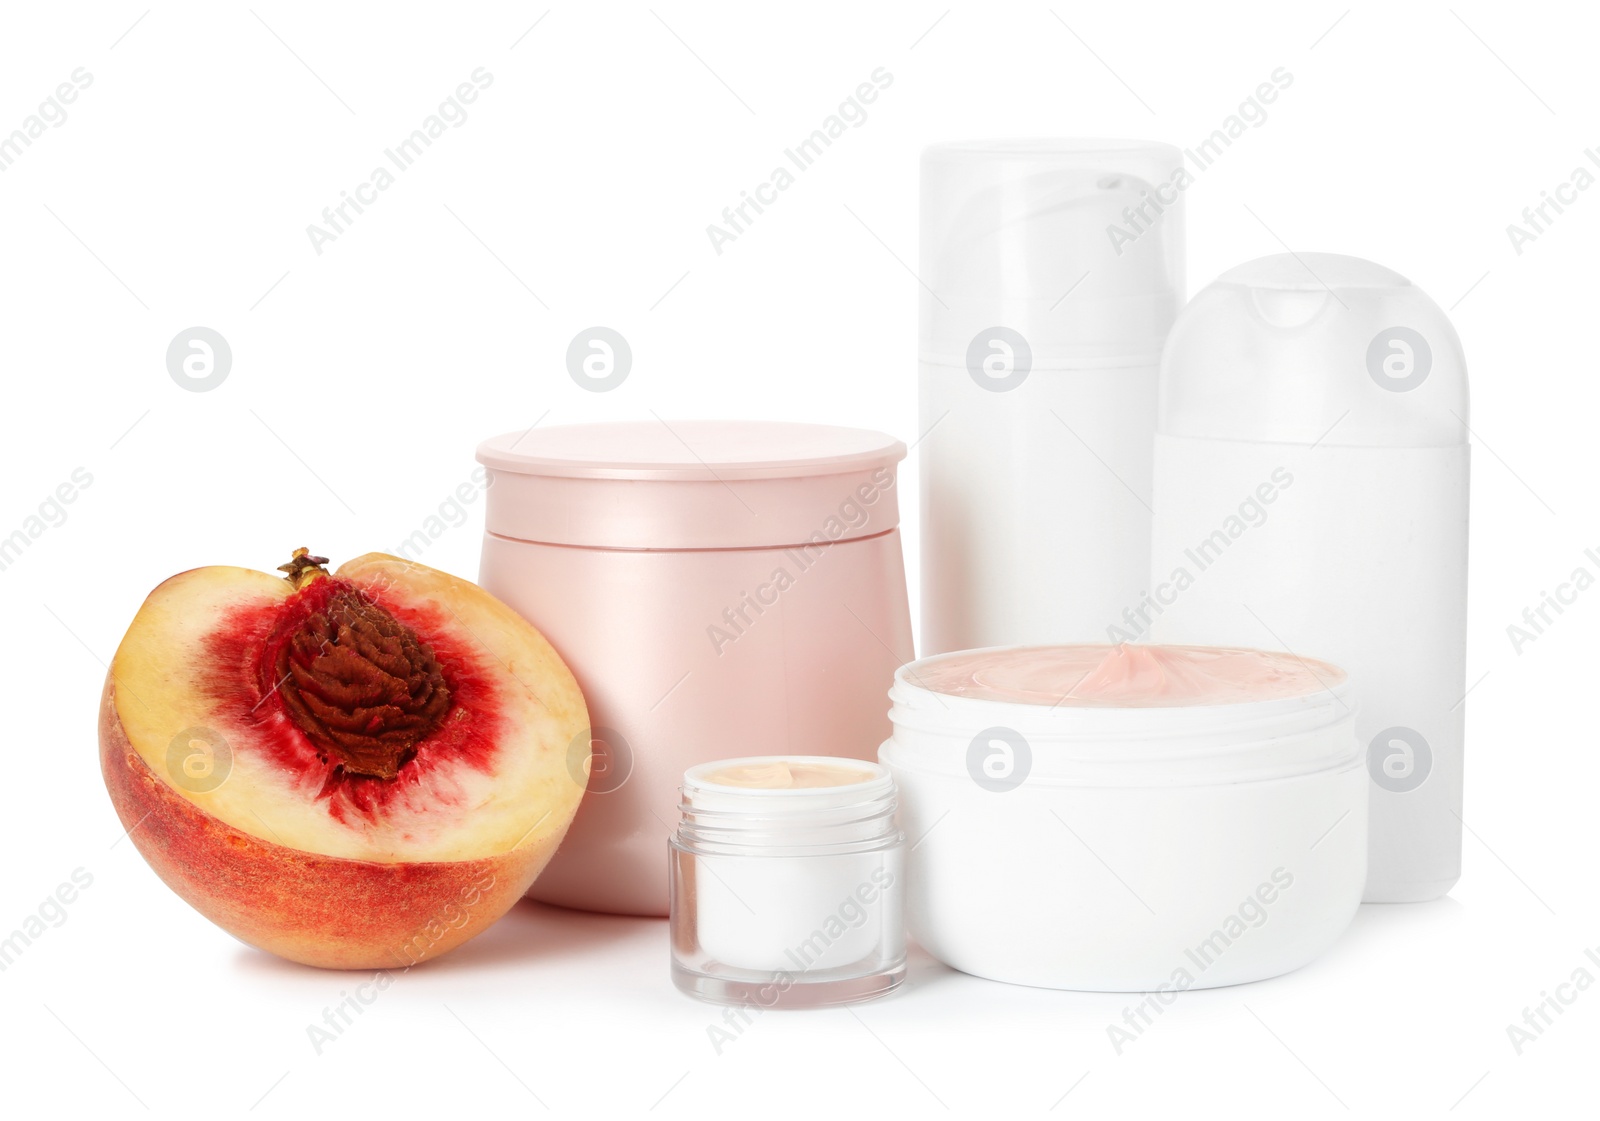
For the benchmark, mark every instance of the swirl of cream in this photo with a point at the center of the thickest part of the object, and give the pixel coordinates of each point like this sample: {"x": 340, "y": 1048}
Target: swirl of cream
{"x": 1125, "y": 675}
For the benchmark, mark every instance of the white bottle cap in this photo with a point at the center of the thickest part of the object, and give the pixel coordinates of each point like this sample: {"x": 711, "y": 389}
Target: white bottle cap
{"x": 1314, "y": 348}
{"x": 1075, "y": 245}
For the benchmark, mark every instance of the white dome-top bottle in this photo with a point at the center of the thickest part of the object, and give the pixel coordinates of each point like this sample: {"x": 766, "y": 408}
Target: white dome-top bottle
{"x": 1051, "y": 271}
{"x": 1310, "y": 495}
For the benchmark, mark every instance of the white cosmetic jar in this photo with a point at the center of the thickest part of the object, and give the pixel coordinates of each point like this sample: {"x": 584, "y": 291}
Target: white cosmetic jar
{"x": 1128, "y": 847}
{"x": 785, "y": 882}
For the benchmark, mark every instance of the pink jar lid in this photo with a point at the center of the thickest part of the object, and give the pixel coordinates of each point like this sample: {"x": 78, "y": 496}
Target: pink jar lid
{"x": 691, "y": 484}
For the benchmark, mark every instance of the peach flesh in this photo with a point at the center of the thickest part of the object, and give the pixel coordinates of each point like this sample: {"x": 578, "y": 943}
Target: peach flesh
{"x": 284, "y": 900}
{"x": 477, "y": 805}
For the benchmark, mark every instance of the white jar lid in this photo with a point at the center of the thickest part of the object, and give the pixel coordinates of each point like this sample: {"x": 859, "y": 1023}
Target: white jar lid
{"x": 1076, "y": 245}
{"x": 1314, "y": 348}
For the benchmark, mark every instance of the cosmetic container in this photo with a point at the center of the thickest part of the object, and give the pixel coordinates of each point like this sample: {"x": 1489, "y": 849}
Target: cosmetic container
{"x": 785, "y": 874}
{"x": 711, "y": 584}
{"x": 1050, "y": 273}
{"x": 1127, "y": 818}
{"x": 1311, "y": 475}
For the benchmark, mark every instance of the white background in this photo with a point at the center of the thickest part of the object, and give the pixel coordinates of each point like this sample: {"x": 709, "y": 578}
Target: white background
{"x": 177, "y": 193}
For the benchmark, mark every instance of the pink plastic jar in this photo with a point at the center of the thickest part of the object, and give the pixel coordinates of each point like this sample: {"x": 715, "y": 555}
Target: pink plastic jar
{"x": 719, "y": 589}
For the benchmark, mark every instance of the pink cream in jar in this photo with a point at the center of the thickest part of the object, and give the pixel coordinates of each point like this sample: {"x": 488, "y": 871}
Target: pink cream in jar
{"x": 1128, "y": 818}
{"x": 1098, "y": 676}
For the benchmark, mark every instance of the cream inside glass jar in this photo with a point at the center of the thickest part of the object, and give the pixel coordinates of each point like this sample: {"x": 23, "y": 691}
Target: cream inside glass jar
{"x": 1128, "y": 818}
{"x": 785, "y": 882}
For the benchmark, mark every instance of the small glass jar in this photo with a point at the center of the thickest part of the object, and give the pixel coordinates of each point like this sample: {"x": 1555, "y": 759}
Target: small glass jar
{"x": 786, "y": 882}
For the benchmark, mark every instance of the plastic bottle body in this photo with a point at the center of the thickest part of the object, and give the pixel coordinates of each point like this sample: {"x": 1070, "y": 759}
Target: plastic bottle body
{"x": 1035, "y": 504}
{"x": 1050, "y": 272}
{"x": 1310, "y": 495}
{"x": 1356, "y": 555}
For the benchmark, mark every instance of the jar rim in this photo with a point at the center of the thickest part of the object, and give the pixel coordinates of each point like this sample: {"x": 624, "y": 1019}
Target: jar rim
{"x": 1193, "y": 745}
{"x": 791, "y": 799}
{"x": 802, "y": 819}
{"x": 1331, "y": 681}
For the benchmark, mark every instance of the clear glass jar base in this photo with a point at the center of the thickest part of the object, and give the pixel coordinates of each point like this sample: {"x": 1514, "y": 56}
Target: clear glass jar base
{"x": 788, "y": 991}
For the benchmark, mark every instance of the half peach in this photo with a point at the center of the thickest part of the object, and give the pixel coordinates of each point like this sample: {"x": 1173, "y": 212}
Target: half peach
{"x": 356, "y": 770}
